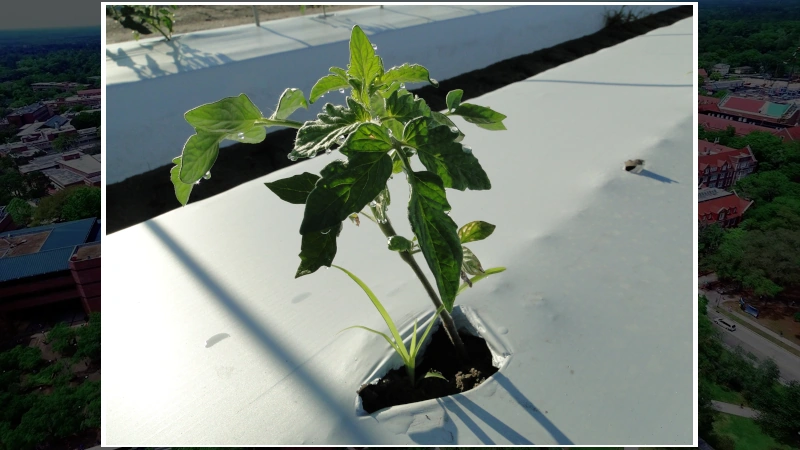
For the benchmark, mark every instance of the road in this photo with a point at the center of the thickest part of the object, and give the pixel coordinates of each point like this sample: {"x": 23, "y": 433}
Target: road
{"x": 752, "y": 342}
{"x": 736, "y": 410}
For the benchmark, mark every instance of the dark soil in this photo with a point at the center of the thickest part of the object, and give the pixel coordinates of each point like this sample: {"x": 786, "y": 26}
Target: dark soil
{"x": 395, "y": 388}
{"x": 150, "y": 194}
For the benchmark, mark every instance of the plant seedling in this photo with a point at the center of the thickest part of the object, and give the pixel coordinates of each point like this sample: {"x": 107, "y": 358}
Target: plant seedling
{"x": 409, "y": 355}
{"x": 378, "y": 131}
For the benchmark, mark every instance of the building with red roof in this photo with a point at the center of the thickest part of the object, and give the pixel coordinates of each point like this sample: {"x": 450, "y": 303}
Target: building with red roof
{"x": 719, "y": 206}
{"x": 720, "y": 166}
{"x": 706, "y": 103}
{"x": 759, "y": 111}
{"x": 703, "y": 73}
{"x": 89, "y": 92}
{"x": 793, "y": 133}
{"x": 714, "y": 123}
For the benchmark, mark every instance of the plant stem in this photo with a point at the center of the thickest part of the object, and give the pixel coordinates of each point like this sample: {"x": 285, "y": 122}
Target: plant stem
{"x": 447, "y": 319}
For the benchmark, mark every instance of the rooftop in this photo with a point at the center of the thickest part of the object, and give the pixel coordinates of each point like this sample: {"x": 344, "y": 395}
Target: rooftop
{"x": 170, "y": 267}
{"x": 40, "y": 163}
{"x": 754, "y": 106}
{"x": 705, "y": 147}
{"x": 707, "y": 194}
{"x": 87, "y": 251}
{"x": 718, "y": 123}
{"x": 30, "y": 129}
{"x": 36, "y": 251}
{"x": 794, "y": 133}
{"x": 85, "y": 164}
{"x": 63, "y": 177}
{"x": 742, "y": 104}
{"x": 56, "y": 122}
{"x": 28, "y": 109}
{"x": 731, "y": 204}
{"x": 22, "y": 245}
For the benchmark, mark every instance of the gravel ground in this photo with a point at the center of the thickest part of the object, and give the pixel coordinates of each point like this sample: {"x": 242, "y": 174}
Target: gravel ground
{"x": 196, "y": 18}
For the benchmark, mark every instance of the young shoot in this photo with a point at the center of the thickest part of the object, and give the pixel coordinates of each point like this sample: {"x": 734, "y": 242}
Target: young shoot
{"x": 409, "y": 355}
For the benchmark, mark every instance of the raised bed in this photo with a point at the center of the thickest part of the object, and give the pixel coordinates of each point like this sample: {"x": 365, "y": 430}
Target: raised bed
{"x": 591, "y": 325}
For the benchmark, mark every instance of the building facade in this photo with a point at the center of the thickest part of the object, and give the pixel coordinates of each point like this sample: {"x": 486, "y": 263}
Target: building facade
{"x": 721, "y": 167}
{"x": 759, "y": 112}
{"x": 720, "y": 207}
{"x": 51, "y": 264}
{"x": 36, "y": 112}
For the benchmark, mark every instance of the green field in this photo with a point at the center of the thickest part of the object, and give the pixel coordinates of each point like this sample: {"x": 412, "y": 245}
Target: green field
{"x": 746, "y": 433}
{"x": 723, "y": 394}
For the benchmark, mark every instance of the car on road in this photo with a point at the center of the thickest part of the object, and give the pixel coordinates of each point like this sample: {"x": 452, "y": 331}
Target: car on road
{"x": 725, "y": 324}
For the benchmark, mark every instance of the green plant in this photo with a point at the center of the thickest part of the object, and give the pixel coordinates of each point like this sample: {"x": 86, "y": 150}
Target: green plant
{"x": 60, "y": 338}
{"x": 621, "y": 17}
{"x": 139, "y": 18}
{"x": 382, "y": 127}
{"x": 20, "y": 211}
{"x": 409, "y": 355}
{"x": 797, "y": 316}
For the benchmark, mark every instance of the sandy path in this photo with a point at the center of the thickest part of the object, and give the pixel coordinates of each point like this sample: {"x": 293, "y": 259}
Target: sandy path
{"x": 196, "y": 18}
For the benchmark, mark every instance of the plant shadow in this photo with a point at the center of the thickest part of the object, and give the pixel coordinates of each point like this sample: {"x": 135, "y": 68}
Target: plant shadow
{"x": 269, "y": 343}
{"x": 184, "y": 57}
{"x": 459, "y": 405}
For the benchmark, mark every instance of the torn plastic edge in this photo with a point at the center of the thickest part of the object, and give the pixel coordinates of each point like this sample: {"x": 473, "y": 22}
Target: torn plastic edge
{"x": 467, "y": 320}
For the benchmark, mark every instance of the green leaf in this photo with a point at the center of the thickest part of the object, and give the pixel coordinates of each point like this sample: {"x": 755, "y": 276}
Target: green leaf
{"x": 252, "y": 136}
{"x": 497, "y": 126}
{"x": 387, "y": 90}
{"x": 229, "y": 115}
{"x": 388, "y": 339}
{"x": 408, "y": 73}
{"x": 395, "y": 126}
{"x": 291, "y": 100}
{"x": 441, "y": 119}
{"x": 182, "y": 190}
{"x": 402, "y": 106}
{"x": 433, "y": 374}
{"x": 436, "y": 232}
{"x": 199, "y": 154}
{"x": 321, "y": 134}
{"x": 382, "y": 202}
{"x": 345, "y": 188}
{"x": 440, "y": 154}
{"x": 478, "y": 114}
{"x": 294, "y": 189}
{"x": 398, "y": 346}
{"x": 326, "y": 84}
{"x": 316, "y": 250}
{"x": 368, "y": 137}
{"x": 399, "y": 244}
{"x": 359, "y": 111}
{"x": 475, "y": 231}
{"x": 454, "y": 99}
{"x": 376, "y": 104}
{"x": 338, "y": 71}
{"x": 477, "y": 278}
{"x": 364, "y": 65}
{"x": 470, "y": 264}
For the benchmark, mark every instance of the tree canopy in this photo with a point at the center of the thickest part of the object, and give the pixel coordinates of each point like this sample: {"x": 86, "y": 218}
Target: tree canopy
{"x": 761, "y": 34}
{"x": 86, "y": 120}
{"x": 20, "y": 211}
{"x": 82, "y": 203}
